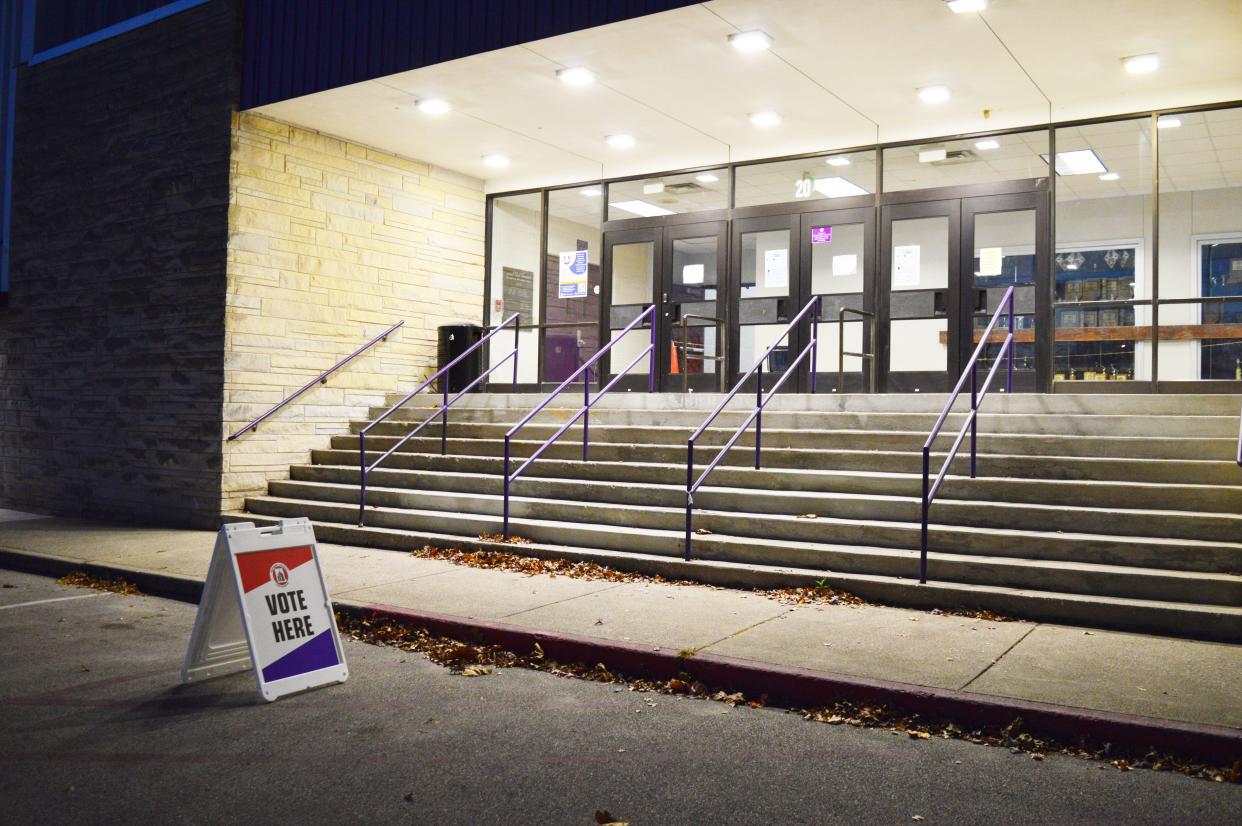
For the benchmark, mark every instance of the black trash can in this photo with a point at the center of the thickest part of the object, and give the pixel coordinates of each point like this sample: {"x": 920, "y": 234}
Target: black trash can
{"x": 456, "y": 339}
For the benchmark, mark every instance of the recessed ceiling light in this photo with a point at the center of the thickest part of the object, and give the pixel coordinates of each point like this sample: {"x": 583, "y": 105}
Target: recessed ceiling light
{"x": 707, "y": 178}
{"x": 641, "y": 208}
{"x": 1078, "y": 162}
{"x": 987, "y": 143}
{"x": 433, "y": 106}
{"x": 749, "y": 42}
{"x": 765, "y": 119}
{"x": 1168, "y": 122}
{"x": 934, "y": 94}
{"x": 576, "y": 76}
{"x": 838, "y": 188}
{"x": 620, "y": 141}
{"x": 1110, "y": 176}
{"x": 590, "y": 192}
{"x": 838, "y": 160}
{"x": 1141, "y": 64}
{"x": 496, "y": 160}
{"x": 962, "y": 6}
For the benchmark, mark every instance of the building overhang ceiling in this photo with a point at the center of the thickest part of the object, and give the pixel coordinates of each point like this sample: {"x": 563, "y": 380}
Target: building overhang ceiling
{"x": 839, "y": 74}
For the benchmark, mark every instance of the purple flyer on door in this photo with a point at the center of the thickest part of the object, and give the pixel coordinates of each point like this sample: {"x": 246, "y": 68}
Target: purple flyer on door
{"x": 821, "y": 235}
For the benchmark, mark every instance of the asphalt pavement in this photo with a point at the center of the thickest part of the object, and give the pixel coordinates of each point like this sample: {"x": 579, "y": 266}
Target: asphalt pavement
{"x": 96, "y": 728}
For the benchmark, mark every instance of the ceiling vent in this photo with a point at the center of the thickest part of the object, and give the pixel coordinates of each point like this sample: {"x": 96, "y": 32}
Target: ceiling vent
{"x": 683, "y": 188}
{"x": 956, "y": 156}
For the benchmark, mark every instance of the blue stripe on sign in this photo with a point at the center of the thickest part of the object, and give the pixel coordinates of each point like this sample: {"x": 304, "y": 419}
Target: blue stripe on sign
{"x": 319, "y": 652}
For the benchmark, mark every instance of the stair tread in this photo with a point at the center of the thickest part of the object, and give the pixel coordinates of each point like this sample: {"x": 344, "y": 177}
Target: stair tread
{"x": 785, "y": 543}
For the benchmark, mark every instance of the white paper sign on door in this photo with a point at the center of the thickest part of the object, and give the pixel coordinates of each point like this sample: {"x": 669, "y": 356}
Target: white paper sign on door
{"x": 776, "y": 268}
{"x": 844, "y": 265}
{"x": 692, "y": 274}
{"x": 573, "y": 274}
{"x": 906, "y": 269}
{"x": 990, "y": 260}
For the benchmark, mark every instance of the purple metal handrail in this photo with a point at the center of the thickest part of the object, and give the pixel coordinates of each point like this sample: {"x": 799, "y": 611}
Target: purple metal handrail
{"x": 972, "y": 418}
{"x": 1240, "y": 441}
{"x": 441, "y": 411}
{"x": 585, "y": 411}
{"x": 322, "y": 378}
{"x": 812, "y": 306}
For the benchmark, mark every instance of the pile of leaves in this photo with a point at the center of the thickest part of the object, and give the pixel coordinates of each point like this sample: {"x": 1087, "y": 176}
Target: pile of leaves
{"x": 478, "y": 659}
{"x": 114, "y": 585}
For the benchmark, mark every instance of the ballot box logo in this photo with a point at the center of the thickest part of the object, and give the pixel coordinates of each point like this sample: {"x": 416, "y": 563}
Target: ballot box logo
{"x": 280, "y": 574}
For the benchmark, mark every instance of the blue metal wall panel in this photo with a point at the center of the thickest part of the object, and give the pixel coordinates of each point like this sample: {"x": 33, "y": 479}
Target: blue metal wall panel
{"x": 297, "y": 47}
{"x": 59, "y": 21}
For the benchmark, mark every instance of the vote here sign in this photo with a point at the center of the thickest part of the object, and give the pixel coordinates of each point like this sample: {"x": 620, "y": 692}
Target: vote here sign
{"x": 284, "y": 629}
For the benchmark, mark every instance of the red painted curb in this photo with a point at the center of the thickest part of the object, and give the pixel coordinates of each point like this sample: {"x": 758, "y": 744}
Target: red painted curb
{"x": 786, "y": 685}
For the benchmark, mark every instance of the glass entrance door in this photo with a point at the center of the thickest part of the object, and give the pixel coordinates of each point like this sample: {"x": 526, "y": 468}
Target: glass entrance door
{"x": 692, "y": 325}
{"x": 946, "y": 266}
{"x": 839, "y": 267}
{"x": 764, "y": 293}
{"x": 679, "y": 269}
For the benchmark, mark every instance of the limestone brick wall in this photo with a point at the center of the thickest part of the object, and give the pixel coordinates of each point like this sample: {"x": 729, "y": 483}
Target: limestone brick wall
{"x": 331, "y": 242}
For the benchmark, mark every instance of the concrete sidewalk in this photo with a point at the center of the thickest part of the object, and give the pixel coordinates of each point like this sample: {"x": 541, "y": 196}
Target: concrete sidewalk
{"x": 1159, "y": 677}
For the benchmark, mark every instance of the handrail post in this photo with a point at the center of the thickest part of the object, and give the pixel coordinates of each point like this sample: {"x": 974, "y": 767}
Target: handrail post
{"x": 506, "y": 506}
{"x": 815, "y": 341}
{"x": 685, "y": 348}
{"x": 651, "y": 362}
{"x": 586, "y": 416}
{"x": 689, "y": 495}
{"x": 362, "y": 466}
{"x": 444, "y": 415}
{"x": 974, "y": 415}
{"x": 758, "y": 413}
{"x": 923, "y": 528}
{"x": 1009, "y": 378}
{"x": 517, "y": 344}
{"x": 841, "y": 350}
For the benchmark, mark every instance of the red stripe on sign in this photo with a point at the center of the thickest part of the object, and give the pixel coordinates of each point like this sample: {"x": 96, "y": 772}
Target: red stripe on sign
{"x": 256, "y": 566}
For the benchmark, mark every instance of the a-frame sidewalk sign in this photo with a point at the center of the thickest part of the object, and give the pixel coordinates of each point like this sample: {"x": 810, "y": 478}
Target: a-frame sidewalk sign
{"x": 265, "y": 606}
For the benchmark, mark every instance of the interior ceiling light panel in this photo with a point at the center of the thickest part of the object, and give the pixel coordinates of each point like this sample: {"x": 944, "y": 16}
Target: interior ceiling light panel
{"x": 642, "y": 208}
{"x": 838, "y": 188}
{"x": 1078, "y": 162}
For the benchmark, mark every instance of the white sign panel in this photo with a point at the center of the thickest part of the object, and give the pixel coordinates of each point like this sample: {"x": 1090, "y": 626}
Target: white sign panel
{"x": 990, "y": 260}
{"x": 573, "y": 272}
{"x": 776, "y": 268}
{"x": 844, "y": 265}
{"x": 265, "y": 606}
{"x": 906, "y": 266}
{"x": 692, "y": 274}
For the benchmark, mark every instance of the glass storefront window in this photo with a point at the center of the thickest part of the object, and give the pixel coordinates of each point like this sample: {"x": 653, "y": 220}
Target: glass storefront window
{"x": 1200, "y": 245}
{"x": 806, "y": 179}
{"x": 669, "y": 194}
{"x": 572, "y": 280}
{"x": 1102, "y": 252}
{"x": 516, "y": 226}
{"x": 971, "y": 161}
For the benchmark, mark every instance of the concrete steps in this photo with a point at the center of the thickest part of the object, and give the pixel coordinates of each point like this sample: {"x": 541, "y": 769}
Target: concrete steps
{"x": 1130, "y": 504}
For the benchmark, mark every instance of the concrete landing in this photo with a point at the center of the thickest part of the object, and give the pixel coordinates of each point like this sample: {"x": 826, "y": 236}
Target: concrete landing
{"x": 1172, "y": 679}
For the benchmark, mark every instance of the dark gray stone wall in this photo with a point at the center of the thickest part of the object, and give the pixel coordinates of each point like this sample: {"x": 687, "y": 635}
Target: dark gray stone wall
{"x": 111, "y": 347}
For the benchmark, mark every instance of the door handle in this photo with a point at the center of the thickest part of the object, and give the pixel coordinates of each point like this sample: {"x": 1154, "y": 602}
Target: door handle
{"x": 938, "y": 306}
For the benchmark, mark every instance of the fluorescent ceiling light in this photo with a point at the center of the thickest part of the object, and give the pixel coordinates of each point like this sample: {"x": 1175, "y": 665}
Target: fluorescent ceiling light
{"x": 576, "y": 76}
{"x": 934, "y": 94}
{"x": 496, "y": 160}
{"x": 765, "y": 120}
{"x": 654, "y": 188}
{"x": 933, "y": 155}
{"x": 988, "y": 143}
{"x": 591, "y": 192}
{"x": 433, "y": 106}
{"x": 838, "y": 160}
{"x": 1110, "y": 176}
{"x": 962, "y": 6}
{"x": 1141, "y": 64}
{"x": 749, "y": 42}
{"x": 641, "y": 208}
{"x": 707, "y": 178}
{"x": 837, "y": 188}
{"x": 1078, "y": 162}
{"x": 1168, "y": 122}
{"x": 621, "y": 141}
